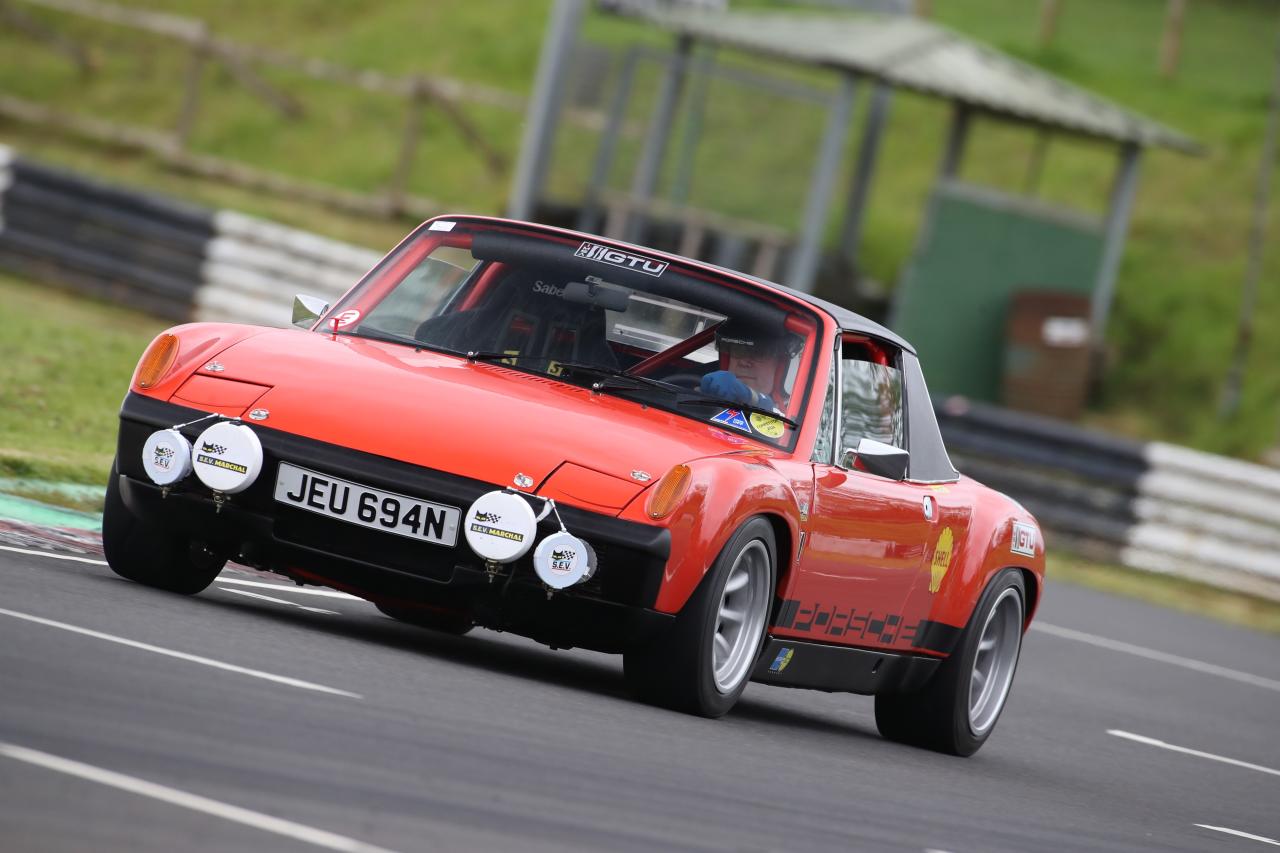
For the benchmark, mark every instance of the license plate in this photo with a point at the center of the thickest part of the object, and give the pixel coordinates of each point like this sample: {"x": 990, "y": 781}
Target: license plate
{"x": 367, "y": 507}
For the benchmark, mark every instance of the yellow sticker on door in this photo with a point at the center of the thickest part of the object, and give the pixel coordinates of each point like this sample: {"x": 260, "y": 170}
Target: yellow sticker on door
{"x": 941, "y": 560}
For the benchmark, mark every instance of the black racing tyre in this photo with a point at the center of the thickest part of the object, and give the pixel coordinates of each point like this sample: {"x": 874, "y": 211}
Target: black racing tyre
{"x": 147, "y": 554}
{"x": 445, "y": 621}
{"x": 703, "y": 662}
{"x": 956, "y": 711}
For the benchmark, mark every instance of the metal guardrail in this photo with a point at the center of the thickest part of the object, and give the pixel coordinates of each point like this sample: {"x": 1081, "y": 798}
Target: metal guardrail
{"x": 1146, "y": 505}
{"x": 175, "y": 260}
{"x": 1149, "y": 506}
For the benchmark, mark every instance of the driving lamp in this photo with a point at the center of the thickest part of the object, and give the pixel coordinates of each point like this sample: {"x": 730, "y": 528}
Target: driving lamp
{"x": 166, "y": 457}
{"x": 228, "y": 457}
{"x": 500, "y": 527}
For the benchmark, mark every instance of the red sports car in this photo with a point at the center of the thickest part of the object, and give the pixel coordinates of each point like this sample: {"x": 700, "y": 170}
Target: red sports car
{"x": 600, "y": 445}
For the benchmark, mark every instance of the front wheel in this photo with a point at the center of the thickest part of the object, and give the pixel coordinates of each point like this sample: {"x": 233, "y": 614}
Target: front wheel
{"x": 152, "y": 555}
{"x": 702, "y": 664}
{"x": 957, "y": 710}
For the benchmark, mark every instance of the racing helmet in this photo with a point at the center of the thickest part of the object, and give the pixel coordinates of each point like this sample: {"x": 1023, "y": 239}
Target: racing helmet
{"x": 757, "y": 337}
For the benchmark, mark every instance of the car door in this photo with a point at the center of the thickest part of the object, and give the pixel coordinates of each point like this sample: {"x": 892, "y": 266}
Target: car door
{"x": 866, "y": 534}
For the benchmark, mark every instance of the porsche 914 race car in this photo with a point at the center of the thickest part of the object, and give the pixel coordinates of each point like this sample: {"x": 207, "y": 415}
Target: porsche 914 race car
{"x": 592, "y": 444}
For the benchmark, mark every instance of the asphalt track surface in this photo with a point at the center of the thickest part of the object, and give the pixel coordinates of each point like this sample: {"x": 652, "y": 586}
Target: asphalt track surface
{"x": 294, "y": 729}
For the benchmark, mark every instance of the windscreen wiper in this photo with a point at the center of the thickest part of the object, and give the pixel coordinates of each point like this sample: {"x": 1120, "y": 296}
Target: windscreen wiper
{"x": 611, "y": 377}
{"x": 379, "y": 335}
{"x": 734, "y": 404}
{"x": 494, "y": 355}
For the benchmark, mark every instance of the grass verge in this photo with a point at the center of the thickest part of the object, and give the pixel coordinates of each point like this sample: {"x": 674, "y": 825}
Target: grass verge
{"x": 65, "y": 363}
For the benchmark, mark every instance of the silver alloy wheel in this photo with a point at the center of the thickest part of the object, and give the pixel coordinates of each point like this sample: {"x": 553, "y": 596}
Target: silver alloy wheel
{"x": 995, "y": 661}
{"x": 740, "y": 621}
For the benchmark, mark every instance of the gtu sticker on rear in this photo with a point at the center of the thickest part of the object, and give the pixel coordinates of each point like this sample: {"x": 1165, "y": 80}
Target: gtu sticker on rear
{"x": 1024, "y": 539}
{"x": 626, "y": 260}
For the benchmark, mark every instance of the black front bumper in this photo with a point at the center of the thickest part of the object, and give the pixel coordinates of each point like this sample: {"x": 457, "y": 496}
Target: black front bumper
{"x": 608, "y": 612}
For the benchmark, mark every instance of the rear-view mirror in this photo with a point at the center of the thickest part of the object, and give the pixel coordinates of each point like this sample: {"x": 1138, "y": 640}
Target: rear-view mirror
{"x": 598, "y": 294}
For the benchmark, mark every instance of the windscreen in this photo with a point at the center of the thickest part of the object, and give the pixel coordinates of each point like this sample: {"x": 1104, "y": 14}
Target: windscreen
{"x": 715, "y": 349}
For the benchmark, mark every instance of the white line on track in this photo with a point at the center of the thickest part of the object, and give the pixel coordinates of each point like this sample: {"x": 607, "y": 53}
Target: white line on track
{"x": 1153, "y": 654}
{"x": 327, "y": 593}
{"x": 195, "y": 802}
{"x": 1240, "y": 834}
{"x": 278, "y": 600}
{"x": 1150, "y": 741}
{"x": 32, "y": 553}
{"x": 279, "y": 587}
{"x": 229, "y": 667}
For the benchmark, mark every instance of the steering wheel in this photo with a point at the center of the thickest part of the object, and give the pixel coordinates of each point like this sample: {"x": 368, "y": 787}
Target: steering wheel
{"x": 692, "y": 381}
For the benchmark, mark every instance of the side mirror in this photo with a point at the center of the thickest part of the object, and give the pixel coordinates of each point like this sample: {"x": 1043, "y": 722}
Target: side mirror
{"x": 308, "y": 309}
{"x": 876, "y": 457}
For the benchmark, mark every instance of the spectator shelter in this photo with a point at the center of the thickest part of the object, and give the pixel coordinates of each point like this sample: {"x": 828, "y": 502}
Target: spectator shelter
{"x": 977, "y": 248}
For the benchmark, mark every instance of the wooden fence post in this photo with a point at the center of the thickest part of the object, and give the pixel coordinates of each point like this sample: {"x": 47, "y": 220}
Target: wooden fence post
{"x": 399, "y": 186}
{"x": 1171, "y": 41}
{"x": 1049, "y": 12}
{"x": 199, "y": 43}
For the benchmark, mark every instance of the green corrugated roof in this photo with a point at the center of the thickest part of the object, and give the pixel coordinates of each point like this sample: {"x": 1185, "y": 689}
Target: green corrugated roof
{"x": 919, "y": 55}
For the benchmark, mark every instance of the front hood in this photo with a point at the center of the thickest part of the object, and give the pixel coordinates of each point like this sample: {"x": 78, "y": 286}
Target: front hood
{"x": 483, "y": 421}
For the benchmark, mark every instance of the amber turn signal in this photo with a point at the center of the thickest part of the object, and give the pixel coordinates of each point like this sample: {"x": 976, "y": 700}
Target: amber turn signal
{"x": 156, "y": 361}
{"x": 669, "y": 491}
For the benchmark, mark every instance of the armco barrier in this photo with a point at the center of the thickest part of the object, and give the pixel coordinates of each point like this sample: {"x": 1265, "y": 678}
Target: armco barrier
{"x": 174, "y": 260}
{"x": 1150, "y": 506}
{"x": 134, "y": 248}
{"x": 253, "y": 268}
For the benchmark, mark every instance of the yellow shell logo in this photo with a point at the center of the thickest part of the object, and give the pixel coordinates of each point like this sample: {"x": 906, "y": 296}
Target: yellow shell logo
{"x": 941, "y": 560}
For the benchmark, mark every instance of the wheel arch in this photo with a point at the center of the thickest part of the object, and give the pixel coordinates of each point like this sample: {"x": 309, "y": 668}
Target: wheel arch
{"x": 783, "y": 540}
{"x": 724, "y": 494}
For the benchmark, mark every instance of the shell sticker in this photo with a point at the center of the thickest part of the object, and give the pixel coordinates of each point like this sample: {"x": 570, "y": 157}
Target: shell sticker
{"x": 767, "y": 426}
{"x": 941, "y": 559}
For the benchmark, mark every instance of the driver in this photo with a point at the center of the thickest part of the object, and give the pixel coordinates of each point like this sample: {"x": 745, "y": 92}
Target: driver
{"x": 756, "y": 359}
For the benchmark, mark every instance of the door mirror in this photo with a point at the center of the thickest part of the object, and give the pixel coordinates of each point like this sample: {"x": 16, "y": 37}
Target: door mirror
{"x": 307, "y": 309}
{"x": 876, "y": 457}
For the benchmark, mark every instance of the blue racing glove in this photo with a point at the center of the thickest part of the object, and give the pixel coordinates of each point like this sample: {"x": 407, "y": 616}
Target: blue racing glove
{"x": 722, "y": 383}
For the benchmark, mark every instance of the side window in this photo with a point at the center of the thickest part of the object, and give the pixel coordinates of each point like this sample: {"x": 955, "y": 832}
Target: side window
{"x": 823, "y": 447}
{"x": 871, "y": 394}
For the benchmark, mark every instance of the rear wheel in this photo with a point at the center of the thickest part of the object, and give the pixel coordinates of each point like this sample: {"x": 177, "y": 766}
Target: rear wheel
{"x": 957, "y": 710}
{"x": 703, "y": 663}
{"x": 151, "y": 555}
{"x": 445, "y": 621}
